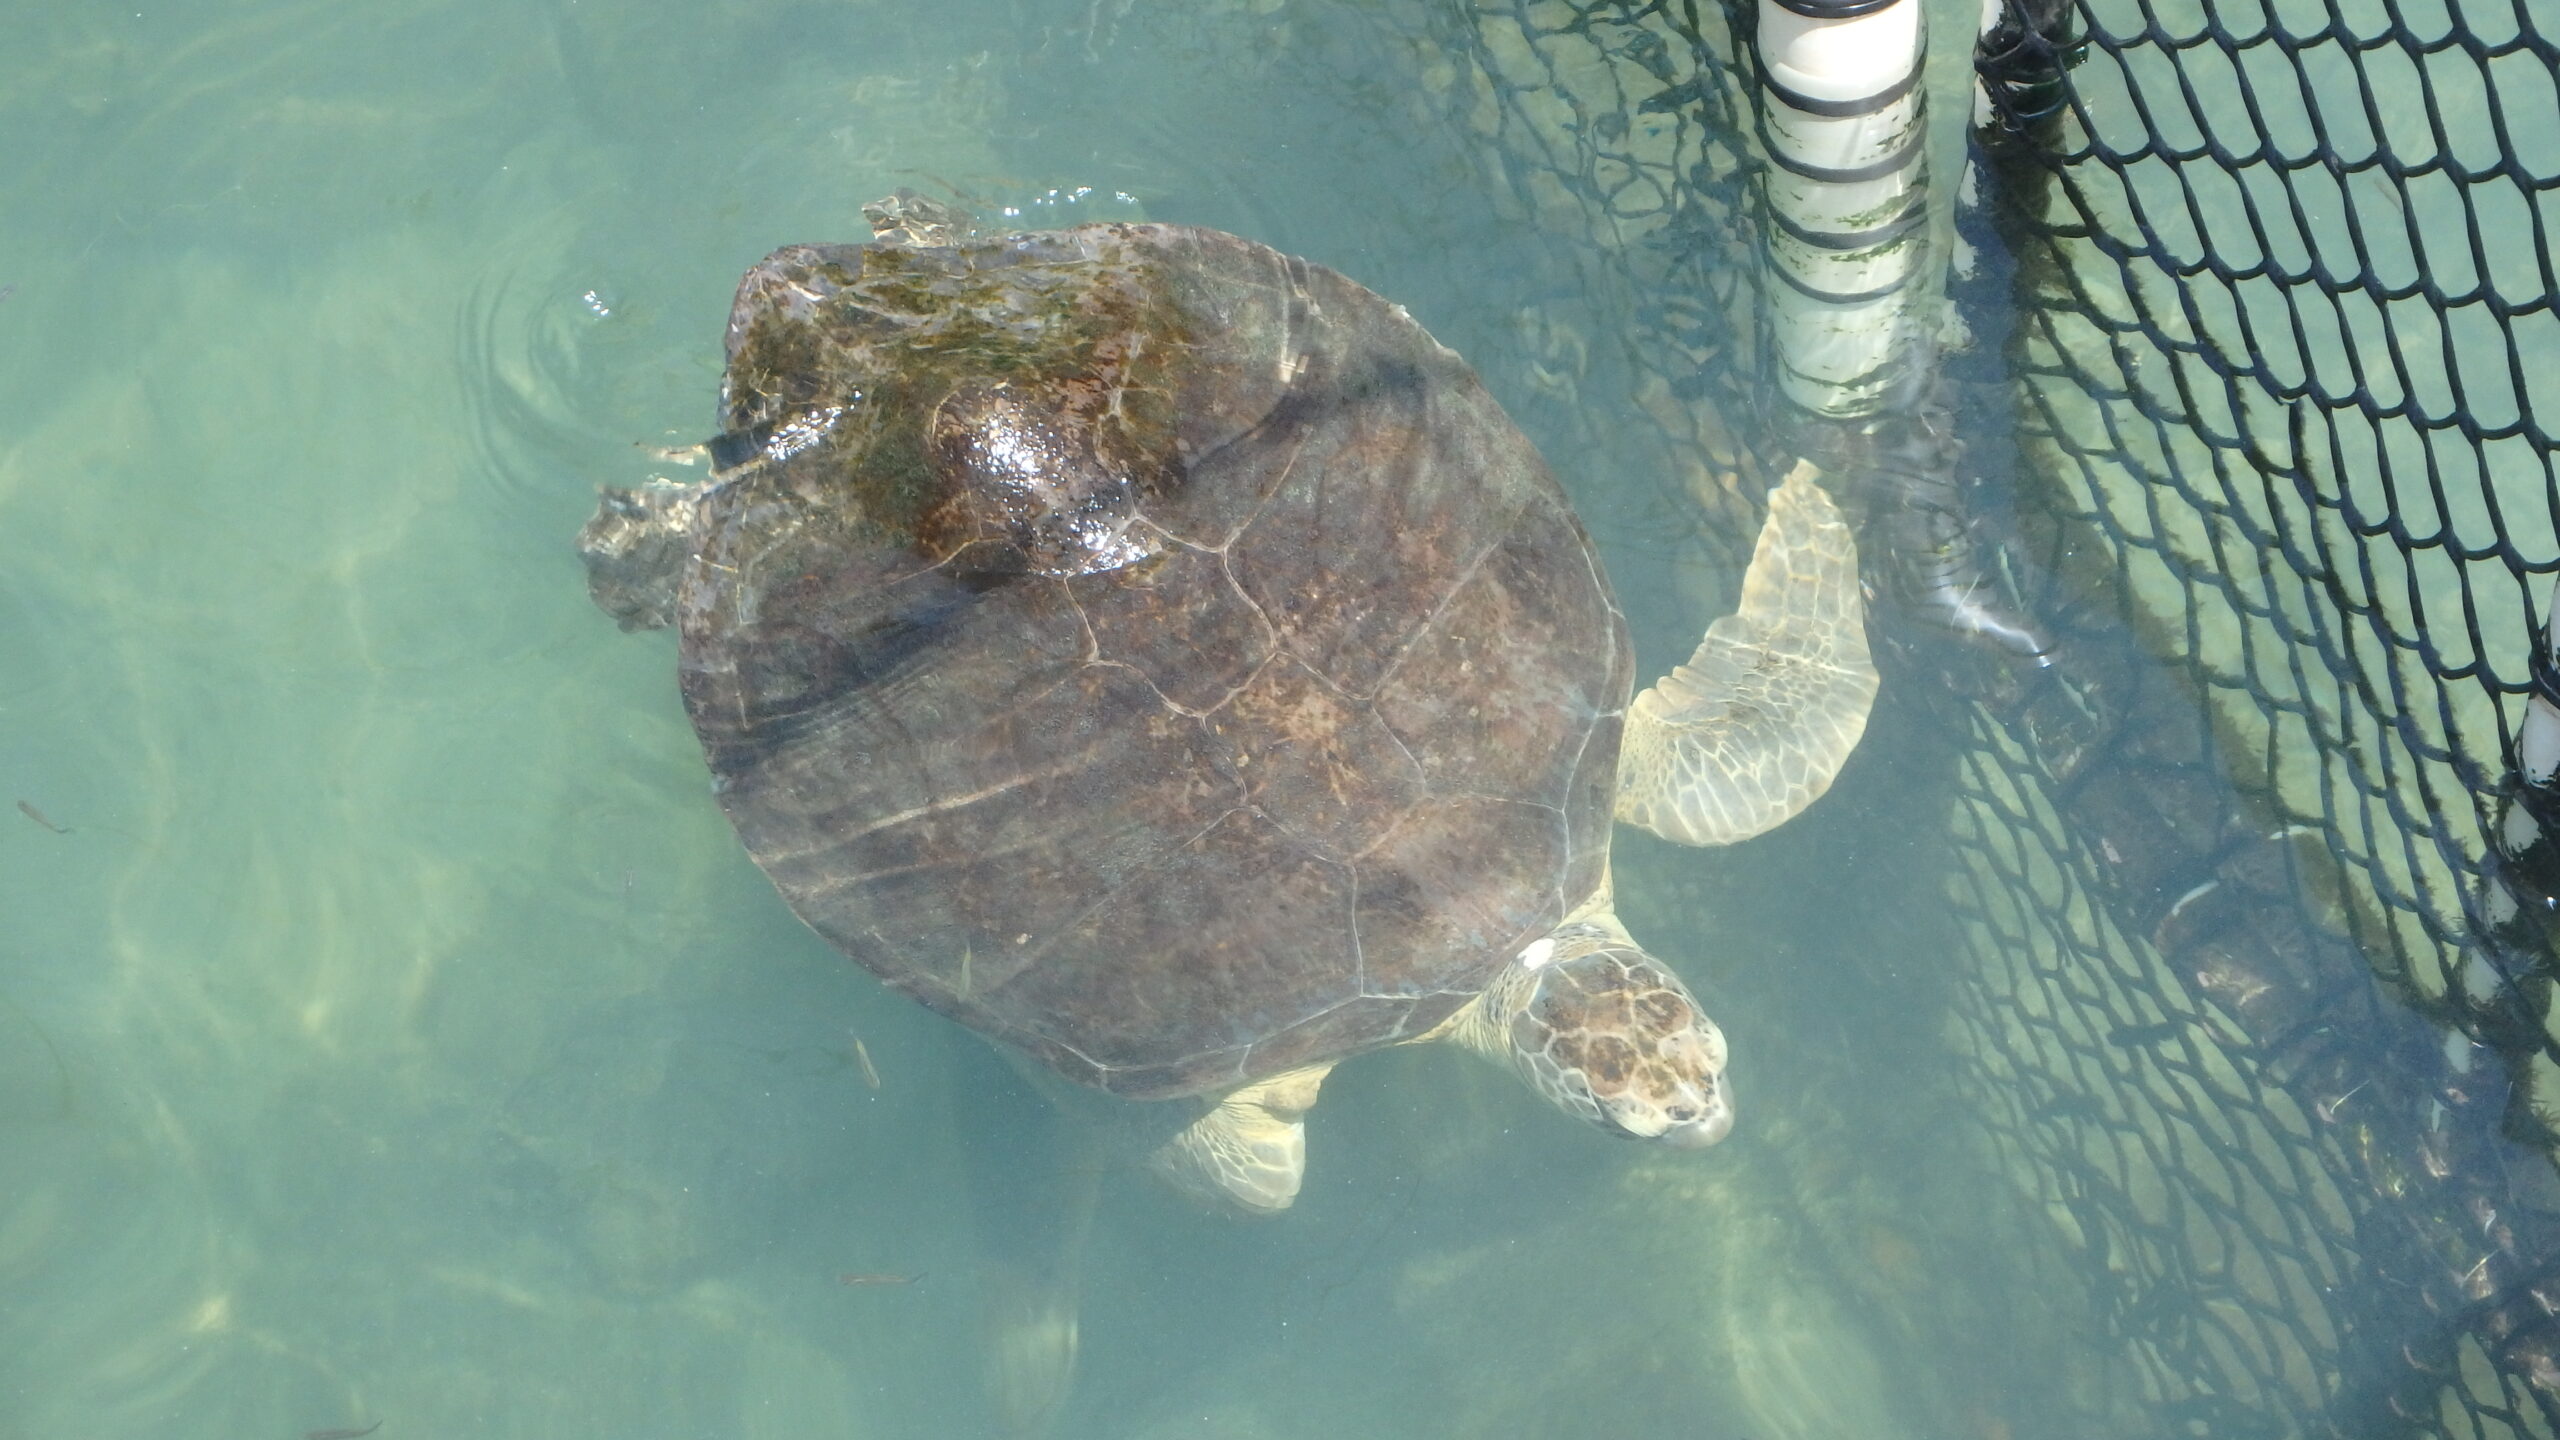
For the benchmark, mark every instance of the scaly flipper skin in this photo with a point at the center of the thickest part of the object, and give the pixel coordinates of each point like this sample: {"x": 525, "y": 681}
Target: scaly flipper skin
{"x": 1753, "y": 728}
{"x": 1248, "y": 1154}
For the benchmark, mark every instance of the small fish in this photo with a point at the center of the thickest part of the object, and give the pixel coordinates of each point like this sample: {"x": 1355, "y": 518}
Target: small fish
{"x": 28, "y": 809}
{"x": 341, "y": 1434}
{"x": 862, "y": 1057}
{"x": 8, "y": 290}
{"x": 853, "y": 1277}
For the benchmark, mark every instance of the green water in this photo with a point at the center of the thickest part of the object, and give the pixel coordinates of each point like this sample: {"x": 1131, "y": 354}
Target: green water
{"x": 394, "y": 1031}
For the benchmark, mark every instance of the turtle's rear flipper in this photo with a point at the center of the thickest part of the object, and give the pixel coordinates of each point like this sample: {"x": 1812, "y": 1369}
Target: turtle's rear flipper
{"x": 1030, "y": 1330}
{"x": 1035, "y": 1175}
{"x": 1754, "y": 727}
{"x": 1248, "y": 1153}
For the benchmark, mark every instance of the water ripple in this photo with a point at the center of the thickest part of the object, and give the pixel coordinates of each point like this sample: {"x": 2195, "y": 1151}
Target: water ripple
{"x": 534, "y": 356}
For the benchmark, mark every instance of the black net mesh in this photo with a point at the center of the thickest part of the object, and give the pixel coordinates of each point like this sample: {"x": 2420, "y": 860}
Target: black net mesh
{"x": 2262, "y": 309}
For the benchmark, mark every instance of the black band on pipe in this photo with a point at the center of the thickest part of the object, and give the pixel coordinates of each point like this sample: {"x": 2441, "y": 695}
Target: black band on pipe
{"x": 2546, "y": 671}
{"x": 1903, "y": 158}
{"x": 1836, "y": 9}
{"x": 1850, "y": 240}
{"x": 1841, "y": 109}
{"x": 2542, "y": 803}
{"x": 1807, "y": 289}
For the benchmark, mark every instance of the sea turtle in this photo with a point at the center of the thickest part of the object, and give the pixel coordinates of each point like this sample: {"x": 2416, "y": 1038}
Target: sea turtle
{"x": 1158, "y": 653}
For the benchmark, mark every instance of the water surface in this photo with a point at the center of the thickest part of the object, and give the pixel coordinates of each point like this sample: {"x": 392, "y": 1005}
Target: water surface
{"x": 395, "y": 1032}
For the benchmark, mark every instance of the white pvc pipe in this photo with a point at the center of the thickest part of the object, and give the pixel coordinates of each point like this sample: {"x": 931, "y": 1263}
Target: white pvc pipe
{"x": 2538, "y": 742}
{"x": 1845, "y": 193}
{"x": 1839, "y": 60}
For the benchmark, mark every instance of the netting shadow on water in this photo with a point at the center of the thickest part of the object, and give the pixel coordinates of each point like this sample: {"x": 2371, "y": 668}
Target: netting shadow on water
{"x": 2263, "y": 346}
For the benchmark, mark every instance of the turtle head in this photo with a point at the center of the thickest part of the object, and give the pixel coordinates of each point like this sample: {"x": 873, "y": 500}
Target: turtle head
{"x": 1608, "y": 1033}
{"x": 635, "y": 548}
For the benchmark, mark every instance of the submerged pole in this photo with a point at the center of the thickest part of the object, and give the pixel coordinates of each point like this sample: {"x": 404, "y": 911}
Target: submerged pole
{"x": 2538, "y": 740}
{"x": 2526, "y": 868}
{"x": 1844, "y": 126}
{"x": 1853, "y": 305}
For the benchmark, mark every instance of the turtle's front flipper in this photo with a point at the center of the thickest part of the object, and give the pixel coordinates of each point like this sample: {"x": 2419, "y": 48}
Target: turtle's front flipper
{"x": 1249, "y": 1152}
{"x": 1752, "y": 729}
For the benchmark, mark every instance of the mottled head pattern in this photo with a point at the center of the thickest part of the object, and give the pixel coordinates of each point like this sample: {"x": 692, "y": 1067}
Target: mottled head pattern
{"x": 1608, "y": 1033}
